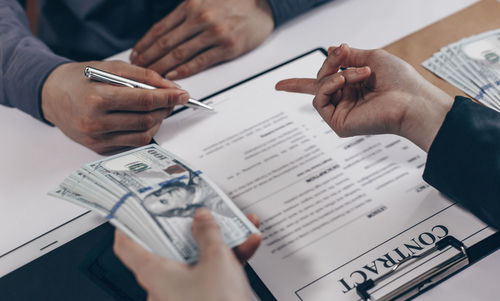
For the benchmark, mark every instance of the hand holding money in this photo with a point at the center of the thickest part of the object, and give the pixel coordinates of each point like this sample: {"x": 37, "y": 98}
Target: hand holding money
{"x": 377, "y": 93}
{"x": 218, "y": 274}
{"x": 152, "y": 196}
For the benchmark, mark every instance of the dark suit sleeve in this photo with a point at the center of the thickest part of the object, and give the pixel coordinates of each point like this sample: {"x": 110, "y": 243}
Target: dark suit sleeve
{"x": 464, "y": 159}
{"x": 284, "y": 10}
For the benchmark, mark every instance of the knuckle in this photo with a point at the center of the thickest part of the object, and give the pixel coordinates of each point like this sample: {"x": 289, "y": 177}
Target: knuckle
{"x": 86, "y": 125}
{"x": 145, "y": 138}
{"x": 206, "y": 17}
{"x": 146, "y": 101}
{"x": 96, "y": 102}
{"x": 218, "y": 30}
{"x": 184, "y": 70}
{"x": 178, "y": 54}
{"x": 157, "y": 29}
{"x": 201, "y": 61}
{"x": 150, "y": 74}
{"x": 191, "y": 5}
{"x": 162, "y": 43}
{"x": 139, "y": 60}
{"x": 315, "y": 103}
{"x": 231, "y": 47}
{"x": 146, "y": 122}
{"x": 171, "y": 100}
{"x": 91, "y": 143}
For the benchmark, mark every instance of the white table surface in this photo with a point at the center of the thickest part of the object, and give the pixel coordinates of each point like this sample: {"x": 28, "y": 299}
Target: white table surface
{"x": 36, "y": 157}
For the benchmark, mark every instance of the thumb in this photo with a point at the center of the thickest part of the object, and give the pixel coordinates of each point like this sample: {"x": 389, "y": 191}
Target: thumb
{"x": 207, "y": 235}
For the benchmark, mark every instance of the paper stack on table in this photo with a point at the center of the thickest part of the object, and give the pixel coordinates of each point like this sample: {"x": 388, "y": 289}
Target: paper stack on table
{"x": 152, "y": 196}
{"x": 472, "y": 65}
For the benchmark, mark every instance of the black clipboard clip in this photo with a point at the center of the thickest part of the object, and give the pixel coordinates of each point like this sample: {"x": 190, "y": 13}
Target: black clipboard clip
{"x": 368, "y": 290}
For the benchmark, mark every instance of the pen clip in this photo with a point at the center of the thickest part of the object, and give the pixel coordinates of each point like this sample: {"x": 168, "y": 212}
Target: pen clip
{"x": 106, "y": 80}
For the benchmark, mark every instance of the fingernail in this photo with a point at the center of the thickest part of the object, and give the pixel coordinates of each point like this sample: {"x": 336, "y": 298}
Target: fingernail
{"x": 362, "y": 70}
{"x": 203, "y": 213}
{"x": 166, "y": 80}
{"x": 172, "y": 74}
{"x": 338, "y": 50}
{"x": 133, "y": 55}
{"x": 183, "y": 97}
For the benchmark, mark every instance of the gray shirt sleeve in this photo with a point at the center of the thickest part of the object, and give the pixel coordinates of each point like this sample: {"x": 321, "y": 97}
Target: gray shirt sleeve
{"x": 284, "y": 10}
{"x": 25, "y": 61}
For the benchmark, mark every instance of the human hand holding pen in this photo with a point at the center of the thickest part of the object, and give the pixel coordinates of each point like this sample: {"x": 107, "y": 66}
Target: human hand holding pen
{"x": 114, "y": 79}
{"x": 378, "y": 93}
{"x": 107, "y": 118}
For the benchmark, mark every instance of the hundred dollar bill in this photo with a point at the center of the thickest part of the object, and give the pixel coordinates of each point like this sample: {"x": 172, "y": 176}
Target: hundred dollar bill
{"x": 77, "y": 199}
{"x": 473, "y": 65}
{"x": 150, "y": 190}
{"x": 482, "y": 53}
{"x": 93, "y": 200}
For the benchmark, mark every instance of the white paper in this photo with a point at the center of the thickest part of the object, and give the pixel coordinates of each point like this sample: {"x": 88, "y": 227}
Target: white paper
{"x": 334, "y": 211}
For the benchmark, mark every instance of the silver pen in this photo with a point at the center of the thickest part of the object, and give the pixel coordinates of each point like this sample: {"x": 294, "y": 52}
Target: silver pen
{"x": 110, "y": 78}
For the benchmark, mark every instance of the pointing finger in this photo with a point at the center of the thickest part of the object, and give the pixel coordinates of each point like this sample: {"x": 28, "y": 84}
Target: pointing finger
{"x": 298, "y": 85}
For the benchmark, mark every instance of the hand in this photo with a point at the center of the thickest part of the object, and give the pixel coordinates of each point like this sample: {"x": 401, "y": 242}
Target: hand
{"x": 378, "y": 93}
{"x": 218, "y": 275}
{"x": 103, "y": 117}
{"x": 202, "y": 33}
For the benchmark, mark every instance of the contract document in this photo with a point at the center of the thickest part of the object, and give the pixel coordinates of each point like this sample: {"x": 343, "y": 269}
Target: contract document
{"x": 335, "y": 211}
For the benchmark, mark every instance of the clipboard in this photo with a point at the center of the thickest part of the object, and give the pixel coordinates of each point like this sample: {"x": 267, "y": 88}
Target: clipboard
{"x": 463, "y": 257}
{"x": 370, "y": 290}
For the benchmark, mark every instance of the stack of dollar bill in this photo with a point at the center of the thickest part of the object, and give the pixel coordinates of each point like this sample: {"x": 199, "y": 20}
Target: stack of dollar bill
{"x": 473, "y": 66}
{"x": 152, "y": 196}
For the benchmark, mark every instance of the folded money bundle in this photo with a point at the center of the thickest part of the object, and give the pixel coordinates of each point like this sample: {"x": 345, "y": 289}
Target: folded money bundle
{"x": 151, "y": 195}
{"x": 472, "y": 65}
